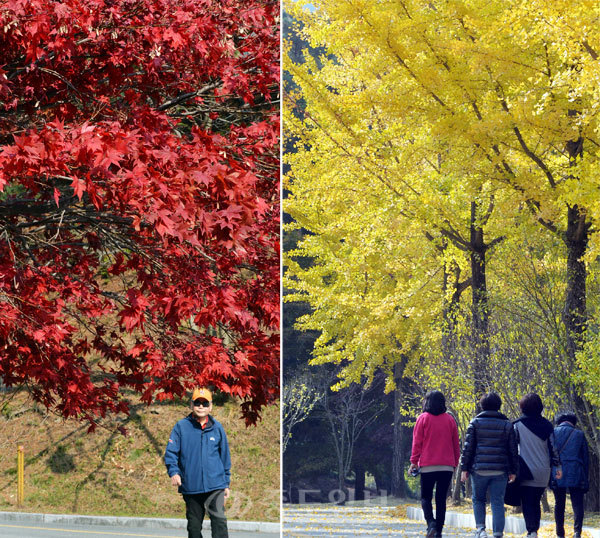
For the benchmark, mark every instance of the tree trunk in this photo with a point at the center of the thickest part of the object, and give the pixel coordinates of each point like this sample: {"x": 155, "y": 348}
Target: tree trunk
{"x": 575, "y": 316}
{"x": 449, "y": 315}
{"x": 457, "y": 487}
{"x": 451, "y": 279}
{"x": 480, "y": 311}
{"x": 575, "y": 310}
{"x": 342, "y": 483}
{"x": 592, "y": 497}
{"x": 449, "y": 344}
{"x": 545, "y": 505}
{"x": 359, "y": 482}
{"x": 398, "y": 456}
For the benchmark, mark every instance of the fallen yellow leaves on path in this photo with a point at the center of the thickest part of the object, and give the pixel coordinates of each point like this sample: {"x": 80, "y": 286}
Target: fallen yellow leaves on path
{"x": 398, "y": 512}
{"x": 549, "y": 531}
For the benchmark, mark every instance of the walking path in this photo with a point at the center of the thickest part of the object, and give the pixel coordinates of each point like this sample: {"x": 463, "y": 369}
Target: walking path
{"x": 340, "y": 521}
{"x": 319, "y": 520}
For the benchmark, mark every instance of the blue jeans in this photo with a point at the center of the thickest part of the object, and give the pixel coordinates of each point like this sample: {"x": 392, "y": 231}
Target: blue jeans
{"x": 497, "y": 486}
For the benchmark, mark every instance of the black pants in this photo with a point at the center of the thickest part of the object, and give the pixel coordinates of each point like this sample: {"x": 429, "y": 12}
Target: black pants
{"x": 195, "y": 508}
{"x": 441, "y": 480}
{"x": 560, "y": 498}
{"x": 531, "y": 498}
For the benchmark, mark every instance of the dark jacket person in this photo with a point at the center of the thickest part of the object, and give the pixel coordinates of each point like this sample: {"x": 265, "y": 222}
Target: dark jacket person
{"x": 573, "y": 452}
{"x": 490, "y": 457}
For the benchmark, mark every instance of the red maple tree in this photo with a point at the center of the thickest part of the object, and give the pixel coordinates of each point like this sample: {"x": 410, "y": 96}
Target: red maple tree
{"x": 139, "y": 216}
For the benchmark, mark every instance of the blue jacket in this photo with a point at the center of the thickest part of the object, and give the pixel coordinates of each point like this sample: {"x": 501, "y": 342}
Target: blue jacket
{"x": 199, "y": 456}
{"x": 574, "y": 457}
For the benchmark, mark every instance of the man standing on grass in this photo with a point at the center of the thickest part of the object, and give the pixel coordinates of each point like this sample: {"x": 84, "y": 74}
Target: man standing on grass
{"x": 198, "y": 462}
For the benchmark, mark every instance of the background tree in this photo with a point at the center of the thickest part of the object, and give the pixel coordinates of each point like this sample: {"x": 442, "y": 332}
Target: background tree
{"x": 298, "y": 398}
{"x": 139, "y": 201}
{"x": 348, "y": 412}
{"x": 346, "y": 435}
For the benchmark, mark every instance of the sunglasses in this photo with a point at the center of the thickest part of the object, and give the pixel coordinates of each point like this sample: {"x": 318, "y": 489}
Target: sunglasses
{"x": 201, "y": 403}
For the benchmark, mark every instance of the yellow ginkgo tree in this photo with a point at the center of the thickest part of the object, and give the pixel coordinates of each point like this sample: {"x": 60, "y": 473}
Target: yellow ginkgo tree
{"x": 425, "y": 135}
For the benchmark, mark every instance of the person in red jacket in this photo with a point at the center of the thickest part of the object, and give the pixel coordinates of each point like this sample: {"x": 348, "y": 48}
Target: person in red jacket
{"x": 435, "y": 453}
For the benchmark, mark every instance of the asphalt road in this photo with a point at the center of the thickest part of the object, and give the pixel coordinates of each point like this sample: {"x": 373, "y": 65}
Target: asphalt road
{"x": 342, "y": 521}
{"x": 53, "y": 530}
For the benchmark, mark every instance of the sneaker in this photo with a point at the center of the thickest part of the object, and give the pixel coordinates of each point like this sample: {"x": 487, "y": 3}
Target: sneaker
{"x": 480, "y": 533}
{"x": 532, "y": 534}
{"x": 431, "y": 530}
{"x": 577, "y": 535}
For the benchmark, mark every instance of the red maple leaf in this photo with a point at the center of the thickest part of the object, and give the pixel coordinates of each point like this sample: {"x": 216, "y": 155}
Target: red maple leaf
{"x": 140, "y": 194}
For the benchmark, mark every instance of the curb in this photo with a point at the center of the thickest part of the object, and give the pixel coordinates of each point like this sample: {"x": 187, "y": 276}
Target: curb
{"x": 513, "y": 525}
{"x": 149, "y": 522}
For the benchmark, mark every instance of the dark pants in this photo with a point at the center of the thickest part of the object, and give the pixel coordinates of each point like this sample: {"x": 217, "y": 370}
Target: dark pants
{"x": 560, "y": 497}
{"x": 531, "y": 498}
{"x": 441, "y": 480}
{"x": 195, "y": 508}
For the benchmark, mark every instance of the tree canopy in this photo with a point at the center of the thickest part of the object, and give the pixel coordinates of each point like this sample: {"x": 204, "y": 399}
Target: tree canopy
{"x": 445, "y": 170}
{"x": 139, "y": 214}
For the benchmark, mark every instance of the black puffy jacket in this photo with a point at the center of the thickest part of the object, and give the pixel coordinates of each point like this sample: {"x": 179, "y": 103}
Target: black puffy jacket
{"x": 490, "y": 444}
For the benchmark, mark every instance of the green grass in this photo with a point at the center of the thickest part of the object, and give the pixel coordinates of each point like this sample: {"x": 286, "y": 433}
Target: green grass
{"x": 70, "y": 471}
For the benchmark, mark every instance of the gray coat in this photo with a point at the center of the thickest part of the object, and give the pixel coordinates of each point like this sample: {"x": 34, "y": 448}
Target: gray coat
{"x": 538, "y": 455}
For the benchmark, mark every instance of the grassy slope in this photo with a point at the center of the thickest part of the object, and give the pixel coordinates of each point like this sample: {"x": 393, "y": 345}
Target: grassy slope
{"x": 70, "y": 471}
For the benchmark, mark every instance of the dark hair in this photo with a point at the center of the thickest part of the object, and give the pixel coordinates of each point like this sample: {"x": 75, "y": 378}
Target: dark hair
{"x": 490, "y": 402}
{"x": 531, "y": 404}
{"x": 434, "y": 403}
{"x": 566, "y": 416}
